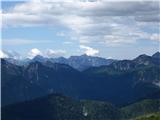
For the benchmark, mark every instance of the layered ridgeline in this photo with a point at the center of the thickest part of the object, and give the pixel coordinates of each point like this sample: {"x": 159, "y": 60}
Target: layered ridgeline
{"x": 78, "y": 62}
{"x": 120, "y": 82}
{"x": 59, "y": 107}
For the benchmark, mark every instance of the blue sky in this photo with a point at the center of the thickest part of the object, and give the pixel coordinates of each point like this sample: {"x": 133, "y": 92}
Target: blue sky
{"x": 119, "y": 30}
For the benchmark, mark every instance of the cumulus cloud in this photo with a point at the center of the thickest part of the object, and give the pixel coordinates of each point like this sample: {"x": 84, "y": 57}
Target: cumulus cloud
{"x": 13, "y": 54}
{"x": 34, "y": 52}
{"x": 54, "y": 53}
{"x": 10, "y": 54}
{"x": 155, "y": 37}
{"x": 89, "y": 51}
{"x": 46, "y": 53}
{"x": 3, "y": 55}
{"x": 49, "y": 53}
{"x": 88, "y": 21}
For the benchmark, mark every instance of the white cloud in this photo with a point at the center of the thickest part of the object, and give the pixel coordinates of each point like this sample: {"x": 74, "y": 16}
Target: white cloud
{"x": 13, "y": 54}
{"x": 88, "y": 21}
{"x": 16, "y": 42}
{"x": 155, "y": 37}
{"x": 89, "y": 51}
{"x": 3, "y": 55}
{"x": 20, "y": 19}
{"x": 46, "y": 53}
{"x": 34, "y": 52}
{"x": 54, "y": 53}
{"x": 10, "y": 54}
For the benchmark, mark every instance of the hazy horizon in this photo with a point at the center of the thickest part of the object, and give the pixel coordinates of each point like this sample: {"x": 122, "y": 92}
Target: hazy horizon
{"x": 46, "y": 54}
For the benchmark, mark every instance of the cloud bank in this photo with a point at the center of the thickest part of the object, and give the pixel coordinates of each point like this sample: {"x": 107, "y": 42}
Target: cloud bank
{"x": 91, "y": 21}
{"x": 49, "y": 53}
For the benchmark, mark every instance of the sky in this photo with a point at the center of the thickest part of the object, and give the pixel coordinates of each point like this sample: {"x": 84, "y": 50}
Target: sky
{"x": 109, "y": 29}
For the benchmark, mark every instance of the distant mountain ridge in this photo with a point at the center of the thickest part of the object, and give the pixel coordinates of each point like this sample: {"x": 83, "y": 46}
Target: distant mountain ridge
{"x": 84, "y": 62}
{"x": 156, "y": 55}
{"x": 78, "y": 62}
{"x": 121, "y": 82}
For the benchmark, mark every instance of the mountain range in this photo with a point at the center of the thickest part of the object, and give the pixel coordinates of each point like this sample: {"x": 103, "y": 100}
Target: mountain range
{"x": 120, "y": 82}
{"x": 80, "y": 87}
{"x": 78, "y": 62}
